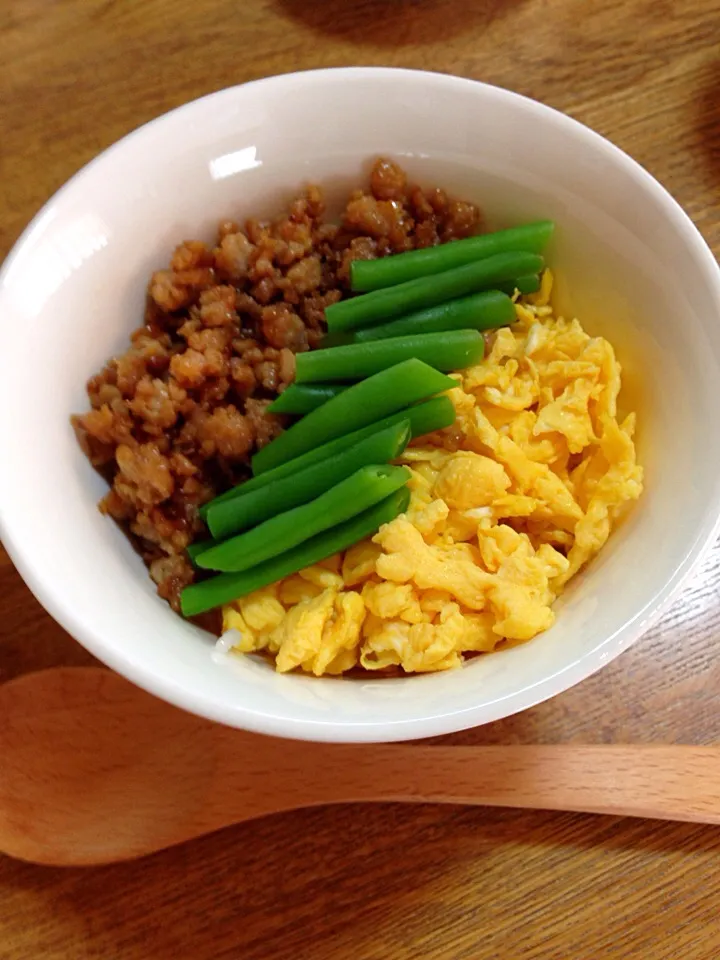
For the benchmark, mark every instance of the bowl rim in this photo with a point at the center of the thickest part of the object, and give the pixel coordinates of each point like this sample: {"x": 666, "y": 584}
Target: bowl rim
{"x": 434, "y": 723}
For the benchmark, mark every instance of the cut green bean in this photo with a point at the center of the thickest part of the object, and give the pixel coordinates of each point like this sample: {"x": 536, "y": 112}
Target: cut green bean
{"x": 481, "y": 311}
{"x": 447, "y": 351}
{"x": 529, "y": 283}
{"x": 392, "y": 302}
{"x": 360, "y": 405}
{"x": 353, "y": 495}
{"x": 195, "y": 549}
{"x": 216, "y": 591}
{"x": 302, "y": 398}
{"x": 388, "y": 271}
{"x": 337, "y": 339}
{"x": 435, "y": 414}
{"x": 259, "y": 505}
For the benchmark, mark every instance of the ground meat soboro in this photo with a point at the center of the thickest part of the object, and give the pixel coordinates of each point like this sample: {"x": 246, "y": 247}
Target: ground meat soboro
{"x": 174, "y": 420}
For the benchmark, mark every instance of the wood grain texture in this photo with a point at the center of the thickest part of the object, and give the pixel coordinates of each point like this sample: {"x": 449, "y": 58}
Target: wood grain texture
{"x": 379, "y": 882}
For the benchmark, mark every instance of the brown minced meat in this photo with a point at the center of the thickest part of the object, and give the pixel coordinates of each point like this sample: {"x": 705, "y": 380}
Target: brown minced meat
{"x": 175, "y": 419}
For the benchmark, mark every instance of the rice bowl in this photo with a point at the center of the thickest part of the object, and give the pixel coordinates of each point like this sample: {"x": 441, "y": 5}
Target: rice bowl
{"x": 632, "y": 264}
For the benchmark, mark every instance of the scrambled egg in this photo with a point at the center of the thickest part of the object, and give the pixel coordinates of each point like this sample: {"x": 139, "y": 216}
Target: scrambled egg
{"x": 506, "y": 506}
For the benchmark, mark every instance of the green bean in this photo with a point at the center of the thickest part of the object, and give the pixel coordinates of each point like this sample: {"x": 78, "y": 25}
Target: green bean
{"x": 195, "y": 549}
{"x": 388, "y": 271}
{"x": 337, "y": 339}
{"x": 481, "y": 311}
{"x": 447, "y": 351}
{"x": 301, "y": 487}
{"x": 424, "y": 418}
{"x": 216, "y": 591}
{"x": 302, "y": 398}
{"x": 529, "y": 283}
{"x": 392, "y": 302}
{"x": 360, "y": 405}
{"x": 353, "y": 495}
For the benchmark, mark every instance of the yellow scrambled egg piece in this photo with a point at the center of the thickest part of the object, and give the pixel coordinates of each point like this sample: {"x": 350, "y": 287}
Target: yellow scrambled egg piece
{"x": 506, "y": 506}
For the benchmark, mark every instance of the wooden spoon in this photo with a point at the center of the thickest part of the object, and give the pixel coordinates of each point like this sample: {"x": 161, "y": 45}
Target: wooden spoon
{"x": 94, "y": 770}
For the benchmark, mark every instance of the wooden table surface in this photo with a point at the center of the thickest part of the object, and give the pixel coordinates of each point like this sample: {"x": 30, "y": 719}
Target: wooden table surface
{"x": 387, "y": 882}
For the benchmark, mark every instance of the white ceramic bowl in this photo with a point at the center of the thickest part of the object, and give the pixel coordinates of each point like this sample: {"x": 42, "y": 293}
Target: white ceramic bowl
{"x": 630, "y": 264}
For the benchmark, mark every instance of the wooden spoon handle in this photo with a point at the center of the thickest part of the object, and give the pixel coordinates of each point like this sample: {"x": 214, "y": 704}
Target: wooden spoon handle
{"x": 661, "y": 782}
